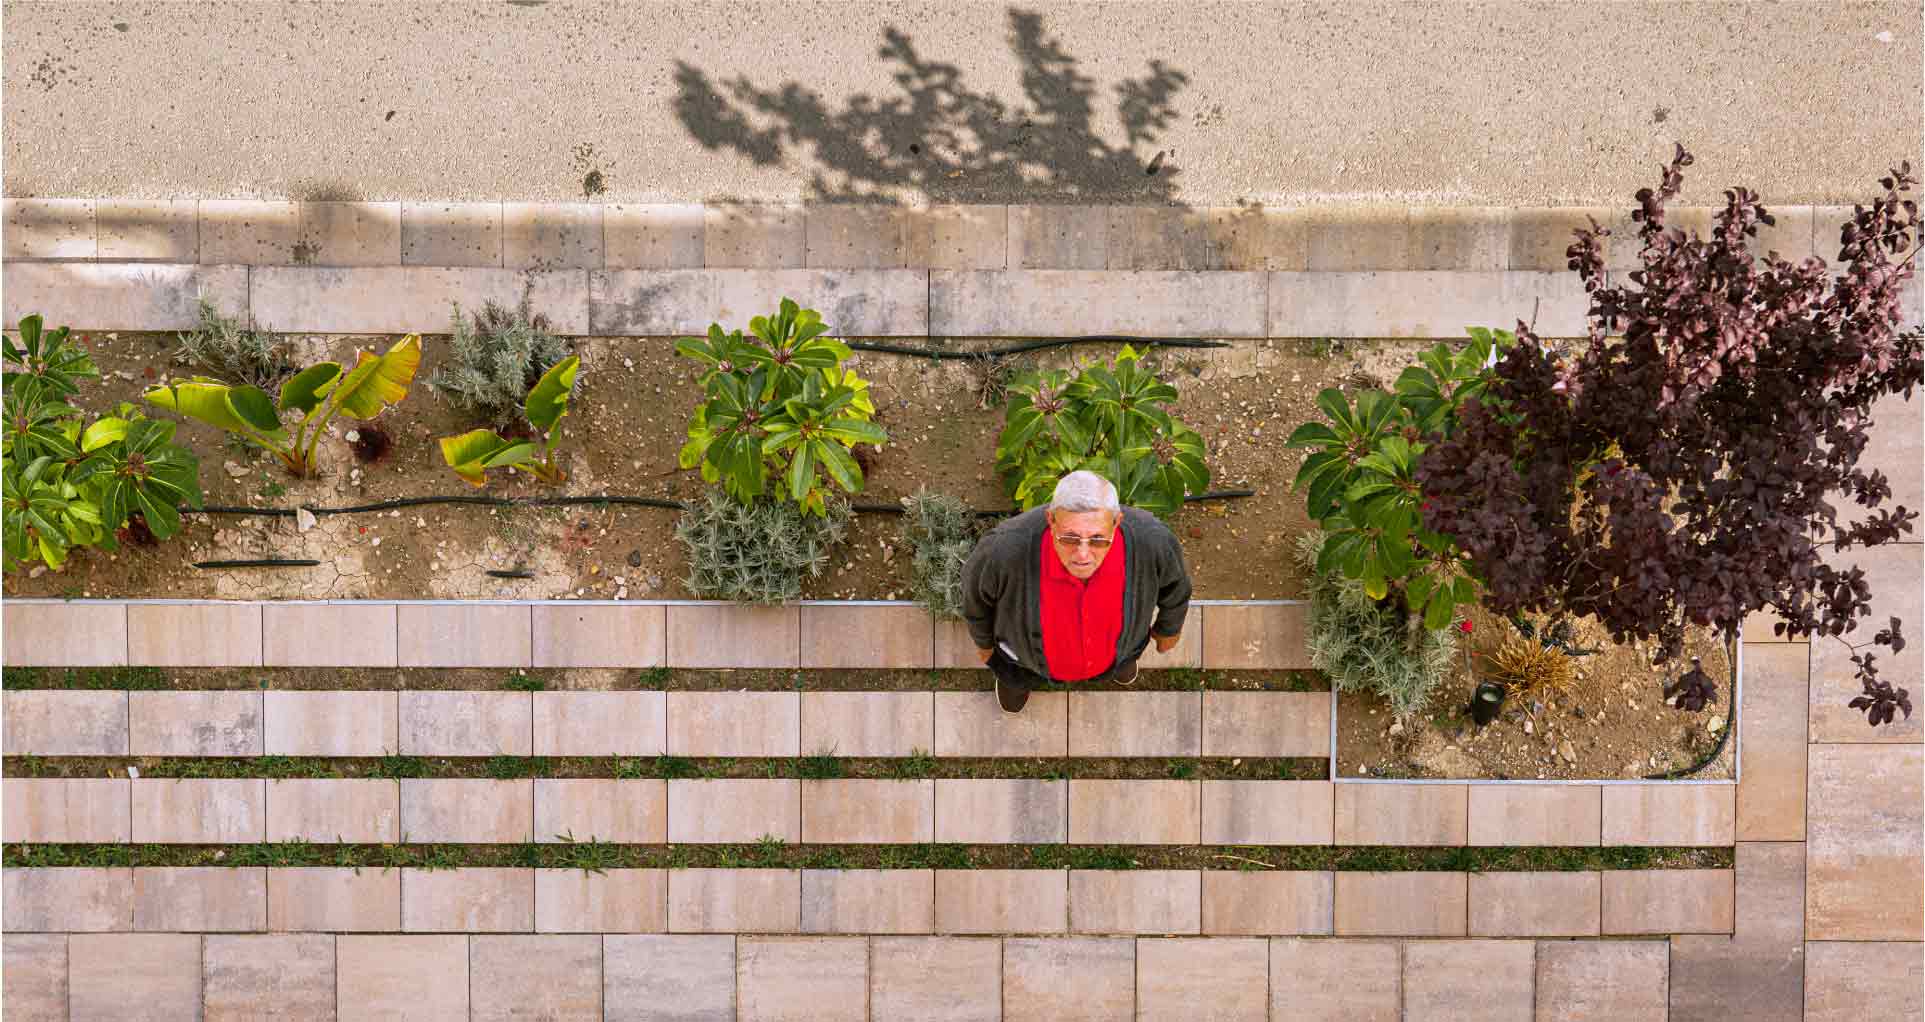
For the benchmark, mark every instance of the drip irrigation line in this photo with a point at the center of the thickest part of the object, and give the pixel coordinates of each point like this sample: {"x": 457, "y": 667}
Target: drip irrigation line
{"x": 1027, "y": 346}
{"x": 265, "y": 562}
{"x": 658, "y": 502}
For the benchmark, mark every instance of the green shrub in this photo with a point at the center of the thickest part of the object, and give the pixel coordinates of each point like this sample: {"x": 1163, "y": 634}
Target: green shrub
{"x": 71, "y": 481}
{"x": 1109, "y": 419}
{"x": 234, "y": 353}
{"x": 941, "y": 530}
{"x": 778, "y": 405}
{"x": 495, "y": 359}
{"x": 1371, "y": 645}
{"x": 760, "y": 551}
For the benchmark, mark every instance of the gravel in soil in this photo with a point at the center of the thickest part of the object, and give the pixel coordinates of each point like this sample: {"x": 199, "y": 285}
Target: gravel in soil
{"x": 1613, "y": 722}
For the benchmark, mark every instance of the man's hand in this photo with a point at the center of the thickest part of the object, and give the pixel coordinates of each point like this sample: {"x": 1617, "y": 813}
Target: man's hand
{"x": 986, "y": 654}
{"x": 1165, "y": 643}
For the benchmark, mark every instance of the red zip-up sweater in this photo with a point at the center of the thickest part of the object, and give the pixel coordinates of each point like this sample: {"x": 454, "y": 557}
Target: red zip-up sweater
{"x": 1082, "y": 620}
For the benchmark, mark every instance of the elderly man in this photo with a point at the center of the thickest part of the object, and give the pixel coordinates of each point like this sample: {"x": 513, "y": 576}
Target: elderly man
{"x": 1074, "y": 591}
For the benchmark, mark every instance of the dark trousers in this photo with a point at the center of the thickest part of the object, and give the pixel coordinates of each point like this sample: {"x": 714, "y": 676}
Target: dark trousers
{"x": 1015, "y": 675}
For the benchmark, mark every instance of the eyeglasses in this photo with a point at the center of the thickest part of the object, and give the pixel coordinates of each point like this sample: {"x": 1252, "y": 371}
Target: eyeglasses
{"x": 1097, "y": 544}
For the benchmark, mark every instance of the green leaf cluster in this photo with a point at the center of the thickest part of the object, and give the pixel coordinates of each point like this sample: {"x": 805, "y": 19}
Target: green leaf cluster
{"x": 1111, "y": 419}
{"x": 473, "y": 453}
{"x": 318, "y": 393}
{"x": 1360, "y": 482}
{"x": 69, "y": 482}
{"x": 779, "y": 406}
{"x": 1367, "y": 645}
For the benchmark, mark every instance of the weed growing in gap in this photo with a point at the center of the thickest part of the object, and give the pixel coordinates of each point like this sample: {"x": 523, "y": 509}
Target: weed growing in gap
{"x": 394, "y": 767}
{"x": 918, "y": 764}
{"x": 820, "y": 767}
{"x": 652, "y": 678}
{"x": 1181, "y": 769}
{"x": 629, "y": 768}
{"x": 508, "y": 768}
{"x": 674, "y": 768}
{"x": 826, "y": 858}
{"x": 950, "y": 857}
{"x": 520, "y": 682}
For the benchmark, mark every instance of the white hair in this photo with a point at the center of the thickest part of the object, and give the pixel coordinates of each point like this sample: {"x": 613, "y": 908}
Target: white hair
{"x": 1085, "y": 491}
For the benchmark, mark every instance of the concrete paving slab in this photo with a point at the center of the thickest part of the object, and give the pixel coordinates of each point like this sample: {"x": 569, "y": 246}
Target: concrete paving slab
{"x": 1218, "y": 979}
{"x": 200, "y": 898}
{"x": 1460, "y": 238}
{"x": 1563, "y": 815}
{"x": 854, "y": 303}
{"x": 632, "y": 812}
{"x": 1668, "y": 814}
{"x": 49, "y": 229}
{"x": 600, "y": 723}
{"x": 415, "y": 978}
{"x": 147, "y": 230}
{"x": 1135, "y": 900}
{"x": 851, "y": 811}
{"x": 1848, "y": 981}
{"x": 1602, "y": 979}
{"x": 349, "y": 234}
{"x": 1423, "y": 303}
{"x": 33, "y": 977}
{"x": 1401, "y": 814}
{"x": 1266, "y": 723}
{"x": 1255, "y": 637}
{"x": 194, "y": 634}
{"x": 1161, "y": 238}
{"x": 1862, "y": 873}
{"x": 467, "y": 811}
{"x": 472, "y": 723}
{"x": 734, "y": 811}
{"x": 1261, "y": 904}
{"x": 759, "y": 235}
{"x": 56, "y": 722}
{"x": 935, "y": 979}
{"x": 195, "y": 723}
{"x": 355, "y": 810}
{"x": 1716, "y": 977}
{"x": 546, "y": 976}
{"x": 955, "y": 649}
{"x": 451, "y": 234}
{"x": 1401, "y": 904}
{"x": 85, "y": 810}
{"x": 1086, "y": 979}
{"x": 329, "y": 634}
{"x": 1893, "y": 572}
{"x": 868, "y": 723}
{"x": 734, "y": 901}
{"x": 118, "y": 977}
{"x": 551, "y": 235}
{"x": 657, "y": 977}
{"x": 1772, "y": 728}
{"x": 861, "y": 635}
{"x": 1002, "y": 901}
{"x": 726, "y": 635}
{"x": 249, "y": 232}
{"x": 199, "y": 811}
{"x": 468, "y": 900}
{"x": 1360, "y": 238}
{"x": 971, "y": 724}
{"x": 957, "y": 237}
{"x": 408, "y": 299}
{"x": 1070, "y": 303}
{"x": 869, "y": 237}
{"x": 1260, "y": 238}
{"x": 1135, "y": 723}
{"x": 868, "y": 900}
{"x": 803, "y": 979}
{"x": 332, "y": 723}
{"x": 1043, "y": 237}
{"x": 330, "y": 899}
{"x": 1658, "y": 901}
{"x": 612, "y": 901}
{"x": 1134, "y": 812}
{"x": 653, "y": 236}
{"x": 1336, "y": 980}
{"x": 76, "y": 899}
{"x": 1539, "y": 235}
{"x": 95, "y": 632}
{"x": 599, "y": 636}
{"x": 1267, "y": 812}
{"x": 1434, "y": 986}
{"x": 734, "y": 724}
{"x": 1535, "y": 904}
{"x": 464, "y": 635}
{"x": 1001, "y": 811}
{"x": 281, "y": 976}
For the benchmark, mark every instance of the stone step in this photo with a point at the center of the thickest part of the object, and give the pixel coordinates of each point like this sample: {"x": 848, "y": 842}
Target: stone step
{"x": 1218, "y": 634}
{"x": 869, "y": 901}
{"x": 630, "y": 977}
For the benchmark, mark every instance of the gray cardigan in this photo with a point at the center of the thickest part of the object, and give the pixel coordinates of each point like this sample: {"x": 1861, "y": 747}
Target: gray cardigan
{"x": 1002, "y": 588}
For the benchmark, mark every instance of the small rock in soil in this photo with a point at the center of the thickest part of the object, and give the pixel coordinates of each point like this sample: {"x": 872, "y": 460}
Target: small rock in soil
{"x": 1570, "y": 754}
{"x": 303, "y": 519}
{"x": 634, "y": 558}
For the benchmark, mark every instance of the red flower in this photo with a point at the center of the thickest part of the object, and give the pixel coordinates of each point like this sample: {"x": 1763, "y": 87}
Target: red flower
{"x": 1464, "y": 627}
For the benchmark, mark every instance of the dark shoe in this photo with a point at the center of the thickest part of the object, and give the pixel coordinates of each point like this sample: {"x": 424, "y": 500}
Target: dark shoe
{"x": 1126, "y": 674}
{"x": 1010, "y": 696}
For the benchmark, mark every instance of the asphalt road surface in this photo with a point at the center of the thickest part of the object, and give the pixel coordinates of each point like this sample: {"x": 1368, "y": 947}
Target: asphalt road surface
{"x": 1188, "y": 102}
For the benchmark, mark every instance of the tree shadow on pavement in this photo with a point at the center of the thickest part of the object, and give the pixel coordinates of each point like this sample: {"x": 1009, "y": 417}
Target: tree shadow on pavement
{"x": 945, "y": 141}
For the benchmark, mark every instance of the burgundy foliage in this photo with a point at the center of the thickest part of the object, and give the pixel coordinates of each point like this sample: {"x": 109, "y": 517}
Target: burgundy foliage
{"x": 1683, "y": 467}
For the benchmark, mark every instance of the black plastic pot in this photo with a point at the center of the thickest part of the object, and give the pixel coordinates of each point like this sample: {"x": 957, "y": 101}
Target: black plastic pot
{"x": 1486, "y": 701}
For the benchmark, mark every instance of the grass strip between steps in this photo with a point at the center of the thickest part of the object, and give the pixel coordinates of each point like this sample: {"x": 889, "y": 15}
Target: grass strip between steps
{"x": 821, "y": 767}
{"x": 770, "y": 853}
{"x": 386, "y": 679}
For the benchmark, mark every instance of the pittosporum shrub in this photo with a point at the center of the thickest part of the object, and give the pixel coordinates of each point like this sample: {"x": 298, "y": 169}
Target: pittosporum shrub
{"x": 1681, "y": 469}
{"x": 494, "y": 358}
{"x": 1109, "y": 419}
{"x": 1368, "y": 644}
{"x": 72, "y": 480}
{"x": 941, "y": 530}
{"x": 780, "y": 406}
{"x": 759, "y": 551}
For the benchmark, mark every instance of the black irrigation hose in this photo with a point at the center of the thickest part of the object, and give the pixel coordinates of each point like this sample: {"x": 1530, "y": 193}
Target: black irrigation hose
{"x": 1027, "y": 346}
{"x": 265, "y": 562}
{"x": 661, "y": 502}
{"x": 1717, "y": 750}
